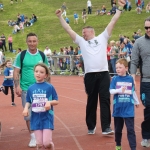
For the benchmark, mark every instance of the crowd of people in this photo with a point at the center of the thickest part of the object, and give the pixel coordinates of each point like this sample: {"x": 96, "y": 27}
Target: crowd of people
{"x": 21, "y": 22}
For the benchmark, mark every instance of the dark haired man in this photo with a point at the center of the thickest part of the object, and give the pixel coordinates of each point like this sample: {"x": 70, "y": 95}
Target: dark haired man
{"x": 97, "y": 79}
{"x": 26, "y": 78}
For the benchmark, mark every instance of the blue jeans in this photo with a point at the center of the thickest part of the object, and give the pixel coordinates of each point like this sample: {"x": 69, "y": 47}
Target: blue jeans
{"x": 113, "y": 63}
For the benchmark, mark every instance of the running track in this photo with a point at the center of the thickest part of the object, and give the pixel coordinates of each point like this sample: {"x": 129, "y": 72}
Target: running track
{"x": 70, "y": 128}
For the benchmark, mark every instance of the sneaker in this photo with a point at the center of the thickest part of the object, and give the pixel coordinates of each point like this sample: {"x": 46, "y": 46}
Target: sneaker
{"x": 13, "y": 104}
{"x": 1, "y": 88}
{"x": 32, "y": 142}
{"x": 118, "y": 147}
{"x": 145, "y": 143}
{"x": 62, "y": 72}
{"x": 108, "y": 131}
{"x": 92, "y": 131}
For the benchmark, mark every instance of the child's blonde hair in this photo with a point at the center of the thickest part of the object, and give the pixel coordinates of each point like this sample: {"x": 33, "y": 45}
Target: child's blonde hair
{"x": 46, "y": 69}
{"x": 122, "y": 61}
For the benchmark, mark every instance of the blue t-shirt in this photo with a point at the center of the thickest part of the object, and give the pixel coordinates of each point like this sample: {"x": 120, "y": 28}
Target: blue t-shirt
{"x": 75, "y": 16}
{"x": 8, "y": 72}
{"x": 41, "y": 120}
{"x": 123, "y": 104}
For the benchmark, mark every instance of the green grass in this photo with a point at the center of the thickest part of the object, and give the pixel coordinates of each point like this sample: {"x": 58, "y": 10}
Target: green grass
{"x": 49, "y": 30}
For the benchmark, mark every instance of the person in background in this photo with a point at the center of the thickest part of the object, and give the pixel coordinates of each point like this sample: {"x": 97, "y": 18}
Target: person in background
{"x": 89, "y": 6}
{"x": 10, "y": 43}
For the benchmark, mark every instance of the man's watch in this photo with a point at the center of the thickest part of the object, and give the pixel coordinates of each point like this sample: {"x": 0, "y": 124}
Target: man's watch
{"x": 120, "y": 8}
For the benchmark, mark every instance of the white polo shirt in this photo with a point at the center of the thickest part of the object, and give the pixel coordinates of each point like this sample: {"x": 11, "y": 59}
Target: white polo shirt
{"x": 89, "y": 4}
{"x": 94, "y": 52}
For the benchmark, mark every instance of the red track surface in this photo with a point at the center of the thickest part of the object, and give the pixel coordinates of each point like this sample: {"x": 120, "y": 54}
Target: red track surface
{"x": 70, "y": 128}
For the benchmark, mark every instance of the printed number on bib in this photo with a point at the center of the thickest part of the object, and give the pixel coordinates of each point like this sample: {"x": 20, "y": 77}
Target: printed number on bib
{"x": 39, "y": 105}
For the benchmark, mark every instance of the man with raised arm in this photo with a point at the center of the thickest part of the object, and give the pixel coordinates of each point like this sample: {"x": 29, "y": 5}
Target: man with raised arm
{"x": 97, "y": 79}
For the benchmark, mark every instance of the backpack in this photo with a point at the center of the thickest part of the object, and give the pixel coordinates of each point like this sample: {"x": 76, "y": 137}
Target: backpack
{"x": 22, "y": 55}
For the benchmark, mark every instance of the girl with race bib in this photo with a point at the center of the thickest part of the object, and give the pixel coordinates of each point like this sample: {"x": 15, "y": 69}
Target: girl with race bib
{"x": 8, "y": 80}
{"x": 41, "y": 97}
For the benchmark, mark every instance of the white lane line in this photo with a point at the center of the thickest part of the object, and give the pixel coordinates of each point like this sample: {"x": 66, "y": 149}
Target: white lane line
{"x": 68, "y": 88}
{"x": 72, "y": 135}
{"x": 73, "y": 99}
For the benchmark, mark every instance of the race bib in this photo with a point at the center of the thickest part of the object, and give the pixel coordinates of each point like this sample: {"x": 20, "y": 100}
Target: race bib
{"x": 38, "y": 105}
{"x": 127, "y": 85}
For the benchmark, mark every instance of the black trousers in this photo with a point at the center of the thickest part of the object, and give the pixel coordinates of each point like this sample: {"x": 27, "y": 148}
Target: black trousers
{"x": 97, "y": 84}
{"x": 145, "y": 97}
{"x": 4, "y": 46}
{"x": 119, "y": 123}
{"x": 10, "y": 47}
{"x": 89, "y": 10}
{"x": 5, "y": 91}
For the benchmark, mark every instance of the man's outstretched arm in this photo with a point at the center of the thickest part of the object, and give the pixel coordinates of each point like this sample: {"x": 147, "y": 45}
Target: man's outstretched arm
{"x": 115, "y": 18}
{"x": 67, "y": 28}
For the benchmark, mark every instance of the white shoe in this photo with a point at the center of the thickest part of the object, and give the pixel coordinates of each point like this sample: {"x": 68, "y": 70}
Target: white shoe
{"x": 62, "y": 72}
{"x": 145, "y": 143}
{"x": 32, "y": 142}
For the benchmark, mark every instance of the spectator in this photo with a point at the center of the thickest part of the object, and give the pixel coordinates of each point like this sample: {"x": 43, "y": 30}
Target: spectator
{"x": 22, "y": 18}
{"x": 71, "y": 50}
{"x": 139, "y": 9}
{"x": 16, "y": 29}
{"x": 81, "y": 59}
{"x": 1, "y": 6}
{"x": 63, "y": 8}
{"x": 129, "y": 7}
{"x": 3, "y": 38}
{"x": 84, "y": 15}
{"x": 48, "y": 54}
{"x": 113, "y": 10}
{"x": 89, "y": 6}
{"x": 21, "y": 26}
{"x": 103, "y": 11}
{"x": 97, "y": 12}
{"x": 1, "y": 43}
{"x": 10, "y": 43}
{"x": 67, "y": 20}
{"x": 113, "y": 2}
{"x": 34, "y": 17}
{"x": 148, "y": 7}
{"x": 76, "y": 17}
{"x": 109, "y": 60}
{"x": 112, "y": 56}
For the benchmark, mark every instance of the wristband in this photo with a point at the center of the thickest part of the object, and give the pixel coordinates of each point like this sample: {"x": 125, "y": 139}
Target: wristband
{"x": 120, "y": 8}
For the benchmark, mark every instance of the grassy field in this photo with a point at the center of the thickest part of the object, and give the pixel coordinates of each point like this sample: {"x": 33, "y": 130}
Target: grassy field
{"x": 48, "y": 28}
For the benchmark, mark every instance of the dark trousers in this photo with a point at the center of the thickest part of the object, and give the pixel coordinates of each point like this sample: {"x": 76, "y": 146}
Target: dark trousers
{"x": 5, "y": 91}
{"x": 145, "y": 97}
{"x": 4, "y": 46}
{"x": 89, "y": 10}
{"x": 119, "y": 123}
{"x": 97, "y": 84}
{"x": 10, "y": 47}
